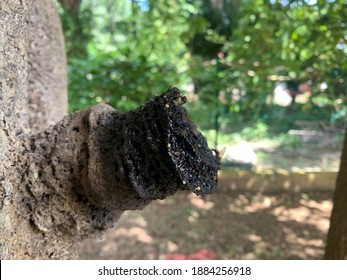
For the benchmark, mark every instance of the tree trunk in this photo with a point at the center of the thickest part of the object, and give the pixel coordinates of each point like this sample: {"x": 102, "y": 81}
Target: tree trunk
{"x": 336, "y": 248}
{"x": 71, "y": 5}
{"x": 13, "y": 114}
{"x": 63, "y": 183}
{"x": 46, "y": 66}
{"x": 77, "y": 27}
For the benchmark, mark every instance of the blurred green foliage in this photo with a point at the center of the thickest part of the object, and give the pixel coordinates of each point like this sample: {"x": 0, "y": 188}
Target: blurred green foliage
{"x": 227, "y": 57}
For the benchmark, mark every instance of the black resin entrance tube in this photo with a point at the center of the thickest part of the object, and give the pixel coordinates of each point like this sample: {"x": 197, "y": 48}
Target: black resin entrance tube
{"x": 151, "y": 153}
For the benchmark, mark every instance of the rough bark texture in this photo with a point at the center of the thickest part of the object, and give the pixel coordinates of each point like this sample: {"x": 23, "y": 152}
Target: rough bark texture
{"x": 74, "y": 179}
{"x": 13, "y": 113}
{"x": 336, "y": 248}
{"x": 13, "y": 46}
{"x": 47, "y": 66}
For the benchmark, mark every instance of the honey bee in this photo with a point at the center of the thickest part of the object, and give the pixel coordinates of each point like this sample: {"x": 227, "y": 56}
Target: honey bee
{"x": 222, "y": 152}
{"x": 179, "y": 100}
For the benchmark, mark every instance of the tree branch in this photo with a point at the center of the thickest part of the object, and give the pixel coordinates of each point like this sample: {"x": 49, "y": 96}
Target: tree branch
{"x": 85, "y": 171}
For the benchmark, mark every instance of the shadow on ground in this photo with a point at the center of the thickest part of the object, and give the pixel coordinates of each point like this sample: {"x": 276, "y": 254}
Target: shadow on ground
{"x": 234, "y": 225}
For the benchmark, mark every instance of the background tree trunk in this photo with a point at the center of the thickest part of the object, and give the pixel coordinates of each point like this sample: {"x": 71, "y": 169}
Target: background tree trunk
{"x": 47, "y": 66}
{"x": 78, "y": 22}
{"x": 336, "y": 248}
{"x": 72, "y": 5}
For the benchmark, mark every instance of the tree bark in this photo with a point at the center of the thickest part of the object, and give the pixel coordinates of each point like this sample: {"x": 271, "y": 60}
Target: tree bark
{"x": 336, "y": 248}
{"x": 47, "y": 88}
{"x": 73, "y": 180}
{"x": 13, "y": 112}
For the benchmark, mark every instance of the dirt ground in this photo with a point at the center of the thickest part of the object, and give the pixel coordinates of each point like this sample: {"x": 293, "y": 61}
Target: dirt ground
{"x": 232, "y": 225}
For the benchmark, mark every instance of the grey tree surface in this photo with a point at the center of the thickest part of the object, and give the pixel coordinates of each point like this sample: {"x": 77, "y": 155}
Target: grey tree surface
{"x": 65, "y": 178}
{"x": 336, "y": 248}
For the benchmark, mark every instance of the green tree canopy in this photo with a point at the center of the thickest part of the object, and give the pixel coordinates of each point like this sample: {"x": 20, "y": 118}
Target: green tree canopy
{"x": 229, "y": 54}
